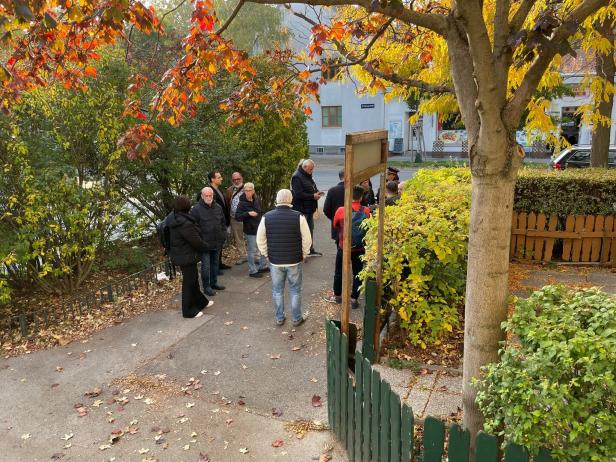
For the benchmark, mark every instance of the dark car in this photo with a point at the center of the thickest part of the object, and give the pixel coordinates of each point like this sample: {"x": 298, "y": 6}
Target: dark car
{"x": 578, "y": 156}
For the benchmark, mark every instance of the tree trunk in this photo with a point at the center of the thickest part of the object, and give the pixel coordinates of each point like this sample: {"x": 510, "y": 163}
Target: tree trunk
{"x": 488, "y": 265}
{"x": 605, "y": 69}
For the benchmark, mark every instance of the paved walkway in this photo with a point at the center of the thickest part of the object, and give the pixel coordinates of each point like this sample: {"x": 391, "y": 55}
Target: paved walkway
{"x": 251, "y": 383}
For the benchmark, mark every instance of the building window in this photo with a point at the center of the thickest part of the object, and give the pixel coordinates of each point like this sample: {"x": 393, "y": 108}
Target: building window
{"x": 331, "y": 116}
{"x": 320, "y": 150}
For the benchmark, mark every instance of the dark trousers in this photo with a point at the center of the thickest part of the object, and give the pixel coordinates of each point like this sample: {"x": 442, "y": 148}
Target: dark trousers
{"x": 209, "y": 268}
{"x": 356, "y": 264}
{"x": 193, "y": 299}
{"x": 310, "y": 221}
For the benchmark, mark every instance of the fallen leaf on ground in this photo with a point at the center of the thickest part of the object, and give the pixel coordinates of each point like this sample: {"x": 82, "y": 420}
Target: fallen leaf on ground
{"x": 67, "y": 445}
{"x": 97, "y": 403}
{"x": 276, "y": 412}
{"x": 296, "y": 348}
{"x": 93, "y": 393}
{"x": 149, "y": 401}
{"x": 316, "y": 401}
{"x": 26, "y": 436}
{"x": 67, "y": 436}
{"x": 244, "y": 450}
{"x": 57, "y": 456}
{"x": 204, "y": 457}
{"x": 217, "y": 373}
{"x": 277, "y": 443}
{"x": 133, "y": 430}
{"x": 189, "y": 405}
{"x": 143, "y": 451}
{"x": 229, "y": 421}
{"x": 103, "y": 447}
{"x": 59, "y": 369}
{"x": 186, "y": 447}
{"x": 228, "y": 323}
{"x": 325, "y": 458}
{"x": 274, "y": 356}
{"x": 313, "y": 380}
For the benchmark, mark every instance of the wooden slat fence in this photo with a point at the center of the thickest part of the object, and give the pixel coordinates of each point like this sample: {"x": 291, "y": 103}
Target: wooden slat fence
{"x": 584, "y": 238}
{"x": 368, "y": 418}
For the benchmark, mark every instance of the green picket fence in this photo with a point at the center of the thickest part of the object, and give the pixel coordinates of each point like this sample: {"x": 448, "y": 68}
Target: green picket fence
{"x": 369, "y": 419}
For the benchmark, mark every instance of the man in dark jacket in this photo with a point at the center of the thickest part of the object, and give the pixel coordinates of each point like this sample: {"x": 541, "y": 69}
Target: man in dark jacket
{"x": 306, "y": 196}
{"x": 211, "y": 220}
{"x": 232, "y": 197}
{"x": 284, "y": 238}
{"x": 249, "y": 212}
{"x": 215, "y": 179}
{"x": 184, "y": 250}
{"x": 333, "y": 200}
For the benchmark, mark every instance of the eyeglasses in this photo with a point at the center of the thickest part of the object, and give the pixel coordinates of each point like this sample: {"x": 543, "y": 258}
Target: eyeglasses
{"x": 236, "y": 179}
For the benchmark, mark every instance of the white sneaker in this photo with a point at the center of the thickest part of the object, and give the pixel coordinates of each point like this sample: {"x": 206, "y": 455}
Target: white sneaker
{"x": 199, "y": 314}
{"x": 210, "y": 303}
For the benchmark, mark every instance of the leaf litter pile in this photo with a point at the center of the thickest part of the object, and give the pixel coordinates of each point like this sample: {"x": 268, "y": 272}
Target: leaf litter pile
{"x": 157, "y": 296}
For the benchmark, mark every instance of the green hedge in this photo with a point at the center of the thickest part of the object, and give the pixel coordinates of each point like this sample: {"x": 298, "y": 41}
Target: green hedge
{"x": 555, "y": 385}
{"x": 568, "y": 192}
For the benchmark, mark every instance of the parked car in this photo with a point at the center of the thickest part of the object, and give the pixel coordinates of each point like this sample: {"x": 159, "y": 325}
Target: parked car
{"x": 578, "y": 156}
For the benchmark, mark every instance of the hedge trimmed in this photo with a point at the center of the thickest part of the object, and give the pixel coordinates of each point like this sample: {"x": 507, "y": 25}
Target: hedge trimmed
{"x": 568, "y": 192}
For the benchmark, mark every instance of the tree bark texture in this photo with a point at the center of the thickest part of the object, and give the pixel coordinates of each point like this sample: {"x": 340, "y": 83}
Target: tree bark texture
{"x": 605, "y": 68}
{"x": 486, "y": 284}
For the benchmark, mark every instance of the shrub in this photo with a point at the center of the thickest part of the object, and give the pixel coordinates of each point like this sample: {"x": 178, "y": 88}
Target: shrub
{"x": 121, "y": 255}
{"x": 555, "y": 384}
{"x": 568, "y": 192}
{"x": 424, "y": 253}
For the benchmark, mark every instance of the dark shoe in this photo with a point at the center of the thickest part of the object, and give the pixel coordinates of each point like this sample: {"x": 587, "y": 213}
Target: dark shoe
{"x": 255, "y": 275}
{"x": 264, "y": 270}
{"x": 280, "y": 322}
{"x": 223, "y": 266}
{"x": 299, "y": 322}
{"x": 333, "y": 299}
{"x": 354, "y": 303}
{"x": 314, "y": 253}
{"x": 218, "y": 287}
{"x": 209, "y": 292}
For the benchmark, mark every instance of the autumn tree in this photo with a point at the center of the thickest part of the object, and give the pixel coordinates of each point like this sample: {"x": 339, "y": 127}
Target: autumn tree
{"x": 486, "y": 58}
{"x": 605, "y": 68}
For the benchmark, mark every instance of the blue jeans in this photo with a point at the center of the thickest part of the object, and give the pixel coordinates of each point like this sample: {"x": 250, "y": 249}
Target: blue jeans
{"x": 209, "y": 268}
{"x": 251, "y": 253}
{"x": 280, "y": 274}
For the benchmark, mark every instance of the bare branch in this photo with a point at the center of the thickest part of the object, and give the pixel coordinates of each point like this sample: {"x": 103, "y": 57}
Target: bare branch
{"x": 231, "y": 18}
{"x": 470, "y": 15}
{"x": 434, "y": 21}
{"x": 502, "y": 52}
{"x": 517, "y": 104}
{"x": 520, "y": 15}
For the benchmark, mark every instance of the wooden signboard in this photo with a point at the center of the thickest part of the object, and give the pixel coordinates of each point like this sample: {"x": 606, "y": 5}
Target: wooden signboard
{"x": 365, "y": 156}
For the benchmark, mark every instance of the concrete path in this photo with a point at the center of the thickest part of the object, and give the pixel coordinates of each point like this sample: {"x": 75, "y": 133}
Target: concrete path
{"x": 227, "y": 385}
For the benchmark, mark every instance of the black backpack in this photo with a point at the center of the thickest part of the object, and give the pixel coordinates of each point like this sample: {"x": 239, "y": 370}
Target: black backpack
{"x": 164, "y": 235}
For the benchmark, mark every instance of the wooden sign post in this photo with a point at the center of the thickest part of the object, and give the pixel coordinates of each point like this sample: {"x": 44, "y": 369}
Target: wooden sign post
{"x": 365, "y": 156}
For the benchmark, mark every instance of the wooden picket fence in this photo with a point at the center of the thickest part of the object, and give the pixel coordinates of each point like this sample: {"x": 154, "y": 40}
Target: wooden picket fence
{"x": 585, "y": 238}
{"x": 370, "y": 421}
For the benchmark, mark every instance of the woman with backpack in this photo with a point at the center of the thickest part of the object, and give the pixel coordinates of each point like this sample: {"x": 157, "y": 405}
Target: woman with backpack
{"x": 185, "y": 249}
{"x": 249, "y": 212}
{"x": 358, "y": 215}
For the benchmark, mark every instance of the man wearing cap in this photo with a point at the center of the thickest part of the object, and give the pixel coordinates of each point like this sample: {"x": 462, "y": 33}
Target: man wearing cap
{"x": 284, "y": 238}
{"x": 392, "y": 175}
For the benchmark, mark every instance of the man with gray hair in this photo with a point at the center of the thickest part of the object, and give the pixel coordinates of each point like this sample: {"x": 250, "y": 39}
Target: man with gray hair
{"x": 306, "y": 196}
{"x": 210, "y": 218}
{"x": 284, "y": 238}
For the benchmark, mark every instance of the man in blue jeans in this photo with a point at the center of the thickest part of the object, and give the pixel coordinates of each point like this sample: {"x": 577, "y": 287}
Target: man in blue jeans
{"x": 284, "y": 238}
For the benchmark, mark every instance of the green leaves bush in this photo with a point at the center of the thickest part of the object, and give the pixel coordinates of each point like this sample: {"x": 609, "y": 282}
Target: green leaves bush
{"x": 572, "y": 191}
{"x": 425, "y": 246}
{"x": 555, "y": 385}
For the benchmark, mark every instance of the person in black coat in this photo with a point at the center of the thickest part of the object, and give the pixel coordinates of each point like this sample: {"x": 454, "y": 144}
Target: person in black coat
{"x": 249, "y": 212}
{"x": 185, "y": 250}
{"x": 215, "y": 179}
{"x": 368, "y": 199}
{"x": 306, "y": 196}
{"x": 211, "y": 220}
{"x": 334, "y": 200}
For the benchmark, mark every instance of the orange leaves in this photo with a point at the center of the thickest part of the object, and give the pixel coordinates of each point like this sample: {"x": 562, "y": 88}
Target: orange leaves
{"x": 304, "y": 75}
{"x": 139, "y": 140}
{"x": 90, "y": 71}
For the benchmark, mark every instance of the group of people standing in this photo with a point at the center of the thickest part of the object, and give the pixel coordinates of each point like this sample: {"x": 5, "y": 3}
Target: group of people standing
{"x": 278, "y": 241}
